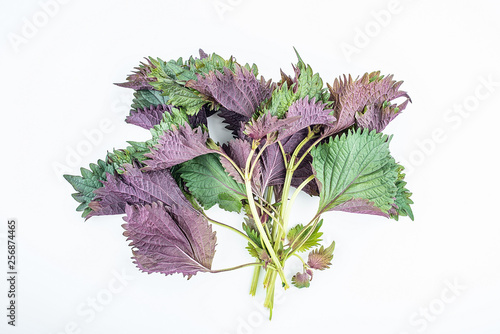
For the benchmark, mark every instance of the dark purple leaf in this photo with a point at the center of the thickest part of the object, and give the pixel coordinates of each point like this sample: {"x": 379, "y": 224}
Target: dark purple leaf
{"x": 148, "y": 117}
{"x": 235, "y": 122}
{"x": 238, "y": 91}
{"x": 135, "y": 187}
{"x": 169, "y": 240}
{"x": 239, "y": 150}
{"x": 267, "y": 124}
{"x": 300, "y": 115}
{"x": 177, "y": 146}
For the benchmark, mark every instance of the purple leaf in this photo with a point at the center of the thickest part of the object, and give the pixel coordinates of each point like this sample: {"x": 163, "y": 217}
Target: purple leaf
{"x": 135, "y": 187}
{"x": 360, "y": 205}
{"x": 202, "y": 54}
{"x": 200, "y": 118}
{"x": 309, "y": 113}
{"x": 239, "y": 150}
{"x": 177, "y": 146}
{"x": 300, "y": 115}
{"x": 238, "y": 91}
{"x": 148, "y": 117}
{"x": 169, "y": 240}
{"x": 267, "y": 124}
{"x": 235, "y": 122}
{"x": 320, "y": 258}
{"x": 352, "y": 96}
{"x": 301, "y": 280}
{"x": 140, "y": 79}
{"x": 273, "y": 166}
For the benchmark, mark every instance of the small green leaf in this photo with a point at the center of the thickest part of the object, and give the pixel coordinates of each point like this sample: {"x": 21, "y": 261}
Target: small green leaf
{"x": 313, "y": 240}
{"x": 210, "y": 184}
{"x": 88, "y": 182}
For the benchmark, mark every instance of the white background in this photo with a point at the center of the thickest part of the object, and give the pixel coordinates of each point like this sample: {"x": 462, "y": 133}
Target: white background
{"x": 56, "y": 85}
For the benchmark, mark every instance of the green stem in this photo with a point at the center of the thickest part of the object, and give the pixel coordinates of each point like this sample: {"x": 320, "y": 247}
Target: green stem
{"x": 301, "y": 260}
{"x": 238, "y": 169}
{"x": 237, "y": 267}
{"x": 269, "y": 301}
{"x": 258, "y": 222}
{"x": 294, "y": 196}
{"x": 232, "y": 229}
{"x": 255, "y": 280}
{"x": 285, "y": 205}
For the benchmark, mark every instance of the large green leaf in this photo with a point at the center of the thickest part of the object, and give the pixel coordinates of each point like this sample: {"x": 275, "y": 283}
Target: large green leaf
{"x": 210, "y": 184}
{"x": 357, "y": 173}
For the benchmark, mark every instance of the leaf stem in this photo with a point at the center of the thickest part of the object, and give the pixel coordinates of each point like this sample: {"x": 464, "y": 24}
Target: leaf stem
{"x": 236, "y": 267}
{"x": 232, "y": 229}
{"x": 255, "y": 280}
{"x": 258, "y": 222}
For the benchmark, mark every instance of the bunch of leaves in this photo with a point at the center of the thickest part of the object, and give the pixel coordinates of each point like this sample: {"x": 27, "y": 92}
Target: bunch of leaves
{"x": 290, "y": 136}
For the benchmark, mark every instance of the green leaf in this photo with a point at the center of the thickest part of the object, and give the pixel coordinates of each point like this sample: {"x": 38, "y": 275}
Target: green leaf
{"x": 252, "y": 234}
{"x": 174, "y": 119}
{"x": 402, "y": 201}
{"x": 180, "y": 96}
{"x": 310, "y": 83}
{"x": 147, "y": 98}
{"x": 87, "y": 183}
{"x": 174, "y": 70}
{"x": 356, "y": 166}
{"x": 213, "y": 62}
{"x": 313, "y": 240}
{"x": 281, "y": 99}
{"x": 210, "y": 184}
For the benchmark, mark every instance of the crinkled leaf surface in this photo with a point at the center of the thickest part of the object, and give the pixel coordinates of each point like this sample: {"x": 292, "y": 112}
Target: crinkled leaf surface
{"x": 135, "y": 187}
{"x": 367, "y": 100}
{"x": 169, "y": 239}
{"x": 147, "y": 98}
{"x": 210, "y": 184}
{"x": 239, "y": 91}
{"x": 177, "y": 146}
{"x": 148, "y": 117}
{"x": 356, "y": 166}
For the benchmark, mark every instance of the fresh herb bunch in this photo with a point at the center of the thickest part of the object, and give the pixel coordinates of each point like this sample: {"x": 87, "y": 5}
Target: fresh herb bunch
{"x": 294, "y": 133}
